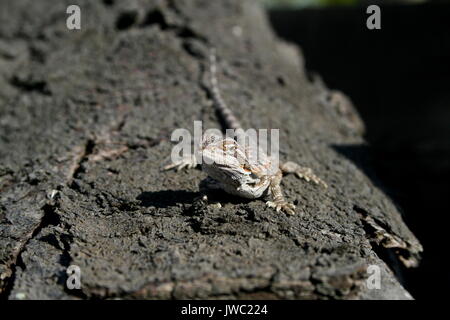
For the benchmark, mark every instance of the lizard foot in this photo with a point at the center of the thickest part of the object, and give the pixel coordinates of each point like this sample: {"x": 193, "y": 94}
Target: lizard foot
{"x": 184, "y": 163}
{"x": 308, "y": 175}
{"x": 302, "y": 173}
{"x": 205, "y": 198}
{"x": 284, "y": 206}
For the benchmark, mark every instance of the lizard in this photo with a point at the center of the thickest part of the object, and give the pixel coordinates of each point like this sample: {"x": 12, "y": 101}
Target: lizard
{"x": 227, "y": 160}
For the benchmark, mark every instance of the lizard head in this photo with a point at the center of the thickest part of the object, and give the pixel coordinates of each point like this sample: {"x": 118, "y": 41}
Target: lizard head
{"x": 225, "y": 161}
{"x": 220, "y": 152}
{"x": 210, "y": 139}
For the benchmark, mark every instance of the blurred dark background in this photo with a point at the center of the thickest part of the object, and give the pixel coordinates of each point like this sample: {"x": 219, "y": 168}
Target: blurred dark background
{"x": 399, "y": 80}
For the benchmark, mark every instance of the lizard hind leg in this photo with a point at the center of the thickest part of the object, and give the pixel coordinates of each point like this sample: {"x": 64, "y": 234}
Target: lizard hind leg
{"x": 302, "y": 172}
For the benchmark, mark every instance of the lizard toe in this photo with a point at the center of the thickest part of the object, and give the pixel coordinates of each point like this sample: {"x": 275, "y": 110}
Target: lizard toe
{"x": 182, "y": 164}
{"x": 286, "y": 207}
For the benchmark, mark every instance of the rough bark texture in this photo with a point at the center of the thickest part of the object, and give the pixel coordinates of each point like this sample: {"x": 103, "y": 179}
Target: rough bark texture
{"x": 86, "y": 117}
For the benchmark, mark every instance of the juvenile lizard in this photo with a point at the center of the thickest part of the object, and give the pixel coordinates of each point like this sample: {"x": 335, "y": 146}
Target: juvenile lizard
{"x": 230, "y": 165}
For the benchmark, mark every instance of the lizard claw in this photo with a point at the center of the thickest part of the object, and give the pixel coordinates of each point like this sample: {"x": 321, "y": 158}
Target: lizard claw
{"x": 284, "y": 206}
{"x": 185, "y": 163}
{"x": 308, "y": 175}
{"x": 302, "y": 173}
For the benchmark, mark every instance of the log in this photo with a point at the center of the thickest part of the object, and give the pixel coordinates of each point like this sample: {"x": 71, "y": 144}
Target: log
{"x": 86, "y": 118}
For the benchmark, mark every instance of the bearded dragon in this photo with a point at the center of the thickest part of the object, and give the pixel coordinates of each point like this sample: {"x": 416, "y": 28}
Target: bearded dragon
{"x": 229, "y": 164}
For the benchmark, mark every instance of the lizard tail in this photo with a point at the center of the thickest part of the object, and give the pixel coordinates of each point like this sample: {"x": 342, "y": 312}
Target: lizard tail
{"x": 220, "y": 105}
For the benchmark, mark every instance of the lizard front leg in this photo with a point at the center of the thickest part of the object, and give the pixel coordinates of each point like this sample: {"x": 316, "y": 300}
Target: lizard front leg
{"x": 279, "y": 203}
{"x": 187, "y": 162}
{"x": 301, "y": 172}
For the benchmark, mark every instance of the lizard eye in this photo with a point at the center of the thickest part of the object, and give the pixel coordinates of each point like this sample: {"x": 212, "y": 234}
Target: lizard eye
{"x": 210, "y": 139}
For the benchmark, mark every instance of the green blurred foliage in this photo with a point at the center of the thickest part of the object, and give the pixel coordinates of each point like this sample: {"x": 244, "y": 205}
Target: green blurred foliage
{"x": 324, "y": 3}
{"x": 307, "y": 3}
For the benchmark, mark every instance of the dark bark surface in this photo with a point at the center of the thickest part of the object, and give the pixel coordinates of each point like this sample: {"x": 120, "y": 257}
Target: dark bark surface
{"x": 86, "y": 117}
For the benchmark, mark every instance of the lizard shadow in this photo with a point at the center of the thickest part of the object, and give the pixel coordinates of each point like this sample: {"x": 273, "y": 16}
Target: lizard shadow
{"x": 166, "y": 198}
{"x": 169, "y": 198}
{"x": 225, "y": 198}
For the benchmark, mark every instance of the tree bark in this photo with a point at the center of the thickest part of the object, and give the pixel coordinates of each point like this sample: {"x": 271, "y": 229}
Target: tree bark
{"x": 86, "y": 117}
